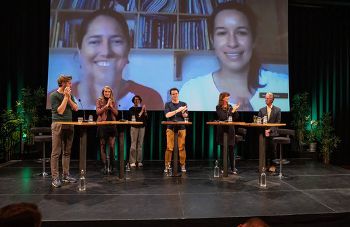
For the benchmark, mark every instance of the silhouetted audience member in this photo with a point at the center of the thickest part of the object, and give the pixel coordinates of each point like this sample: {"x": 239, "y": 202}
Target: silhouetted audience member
{"x": 254, "y": 222}
{"x": 20, "y": 215}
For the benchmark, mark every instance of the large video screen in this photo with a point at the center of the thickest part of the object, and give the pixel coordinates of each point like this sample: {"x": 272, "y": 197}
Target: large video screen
{"x": 243, "y": 50}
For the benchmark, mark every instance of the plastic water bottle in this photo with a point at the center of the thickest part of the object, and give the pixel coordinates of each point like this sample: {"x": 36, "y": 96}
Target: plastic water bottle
{"x": 216, "y": 169}
{"x": 265, "y": 119}
{"x": 82, "y": 181}
{"x": 127, "y": 171}
{"x": 263, "y": 178}
{"x": 133, "y": 118}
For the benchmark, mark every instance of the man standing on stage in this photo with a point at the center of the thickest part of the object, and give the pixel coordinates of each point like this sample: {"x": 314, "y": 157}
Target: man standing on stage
{"x": 273, "y": 114}
{"x": 175, "y": 110}
{"x": 62, "y": 104}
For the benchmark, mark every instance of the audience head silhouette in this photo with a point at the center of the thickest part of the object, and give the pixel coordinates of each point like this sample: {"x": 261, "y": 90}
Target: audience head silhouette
{"x": 20, "y": 215}
{"x": 254, "y": 222}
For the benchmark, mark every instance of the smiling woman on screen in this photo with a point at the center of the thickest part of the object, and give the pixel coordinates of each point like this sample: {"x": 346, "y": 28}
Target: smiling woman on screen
{"x": 232, "y": 30}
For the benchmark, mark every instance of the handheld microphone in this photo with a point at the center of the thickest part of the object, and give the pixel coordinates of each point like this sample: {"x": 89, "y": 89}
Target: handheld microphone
{"x": 122, "y": 114}
{"x": 82, "y": 107}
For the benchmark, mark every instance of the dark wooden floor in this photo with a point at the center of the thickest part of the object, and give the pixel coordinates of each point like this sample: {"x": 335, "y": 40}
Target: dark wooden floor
{"x": 311, "y": 194}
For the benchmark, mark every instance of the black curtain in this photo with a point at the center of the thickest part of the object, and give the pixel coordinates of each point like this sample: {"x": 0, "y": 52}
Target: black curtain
{"x": 319, "y": 48}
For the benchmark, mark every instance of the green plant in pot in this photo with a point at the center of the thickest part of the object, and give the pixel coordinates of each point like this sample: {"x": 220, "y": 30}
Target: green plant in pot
{"x": 328, "y": 140}
{"x": 32, "y": 101}
{"x": 9, "y": 133}
{"x": 300, "y": 111}
{"x": 312, "y": 134}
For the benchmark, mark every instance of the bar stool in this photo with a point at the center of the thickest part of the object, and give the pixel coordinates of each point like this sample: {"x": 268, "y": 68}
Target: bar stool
{"x": 280, "y": 140}
{"x": 42, "y": 135}
{"x": 239, "y": 137}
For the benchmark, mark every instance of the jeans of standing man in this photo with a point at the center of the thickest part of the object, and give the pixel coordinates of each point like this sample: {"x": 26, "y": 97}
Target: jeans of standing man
{"x": 137, "y": 135}
{"x": 170, "y": 146}
{"x": 62, "y": 140}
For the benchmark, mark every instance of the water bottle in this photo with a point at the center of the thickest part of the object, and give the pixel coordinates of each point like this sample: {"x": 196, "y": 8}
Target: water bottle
{"x": 265, "y": 120}
{"x": 133, "y": 118}
{"x": 127, "y": 171}
{"x": 127, "y": 167}
{"x": 263, "y": 178}
{"x": 229, "y": 119}
{"x": 216, "y": 169}
{"x": 82, "y": 181}
{"x": 258, "y": 121}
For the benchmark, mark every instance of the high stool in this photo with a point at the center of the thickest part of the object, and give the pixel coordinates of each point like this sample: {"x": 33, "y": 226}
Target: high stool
{"x": 42, "y": 135}
{"x": 239, "y": 137}
{"x": 280, "y": 140}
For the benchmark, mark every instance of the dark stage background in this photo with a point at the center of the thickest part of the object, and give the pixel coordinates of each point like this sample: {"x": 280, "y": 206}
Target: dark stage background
{"x": 319, "y": 49}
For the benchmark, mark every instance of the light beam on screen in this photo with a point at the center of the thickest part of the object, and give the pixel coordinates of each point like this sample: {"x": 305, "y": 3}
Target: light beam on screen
{"x": 211, "y": 143}
{"x": 320, "y": 86}
{"x": 314, "y": 104}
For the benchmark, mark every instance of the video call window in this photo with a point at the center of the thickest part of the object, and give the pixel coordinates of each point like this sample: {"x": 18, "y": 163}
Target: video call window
{"x": 171, "y": 43}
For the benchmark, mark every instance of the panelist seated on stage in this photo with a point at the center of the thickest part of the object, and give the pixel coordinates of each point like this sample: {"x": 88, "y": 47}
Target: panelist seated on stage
{"x": 175, "y": 110}
{"x": 273, "y": 114}
{"x": 225, "y": 111}
{"x": 106, "y": 110}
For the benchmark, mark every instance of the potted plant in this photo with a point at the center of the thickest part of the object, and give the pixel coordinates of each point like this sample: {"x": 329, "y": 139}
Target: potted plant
{"x": 328, "y": 140}
{"x": 9, "y": 133}
{"x": 29, "y": 107}
{"x": 312, "y": 134}
{"x": 300, "y": 112}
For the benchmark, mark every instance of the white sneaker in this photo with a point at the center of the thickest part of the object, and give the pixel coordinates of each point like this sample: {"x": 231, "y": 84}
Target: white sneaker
{"x": 139, "y": 164}
{"x": 183, "y": 169}
{"x": 132, "y": 165}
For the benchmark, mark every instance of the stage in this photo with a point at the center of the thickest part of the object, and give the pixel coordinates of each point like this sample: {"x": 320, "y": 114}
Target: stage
{"x": 312, "y": 195}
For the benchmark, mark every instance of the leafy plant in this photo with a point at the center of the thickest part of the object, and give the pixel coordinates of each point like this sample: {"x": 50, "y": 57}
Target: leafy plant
{"x": 9, "y": 131}
{"x": 32, "y": 101}
{"x": 328, "y": 140}
{"x": 300, "y": 112}
{"x": 313, "y": 131}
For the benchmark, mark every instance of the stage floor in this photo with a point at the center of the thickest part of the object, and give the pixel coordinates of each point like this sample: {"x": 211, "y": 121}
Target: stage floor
{"x": 310, "y": 189}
